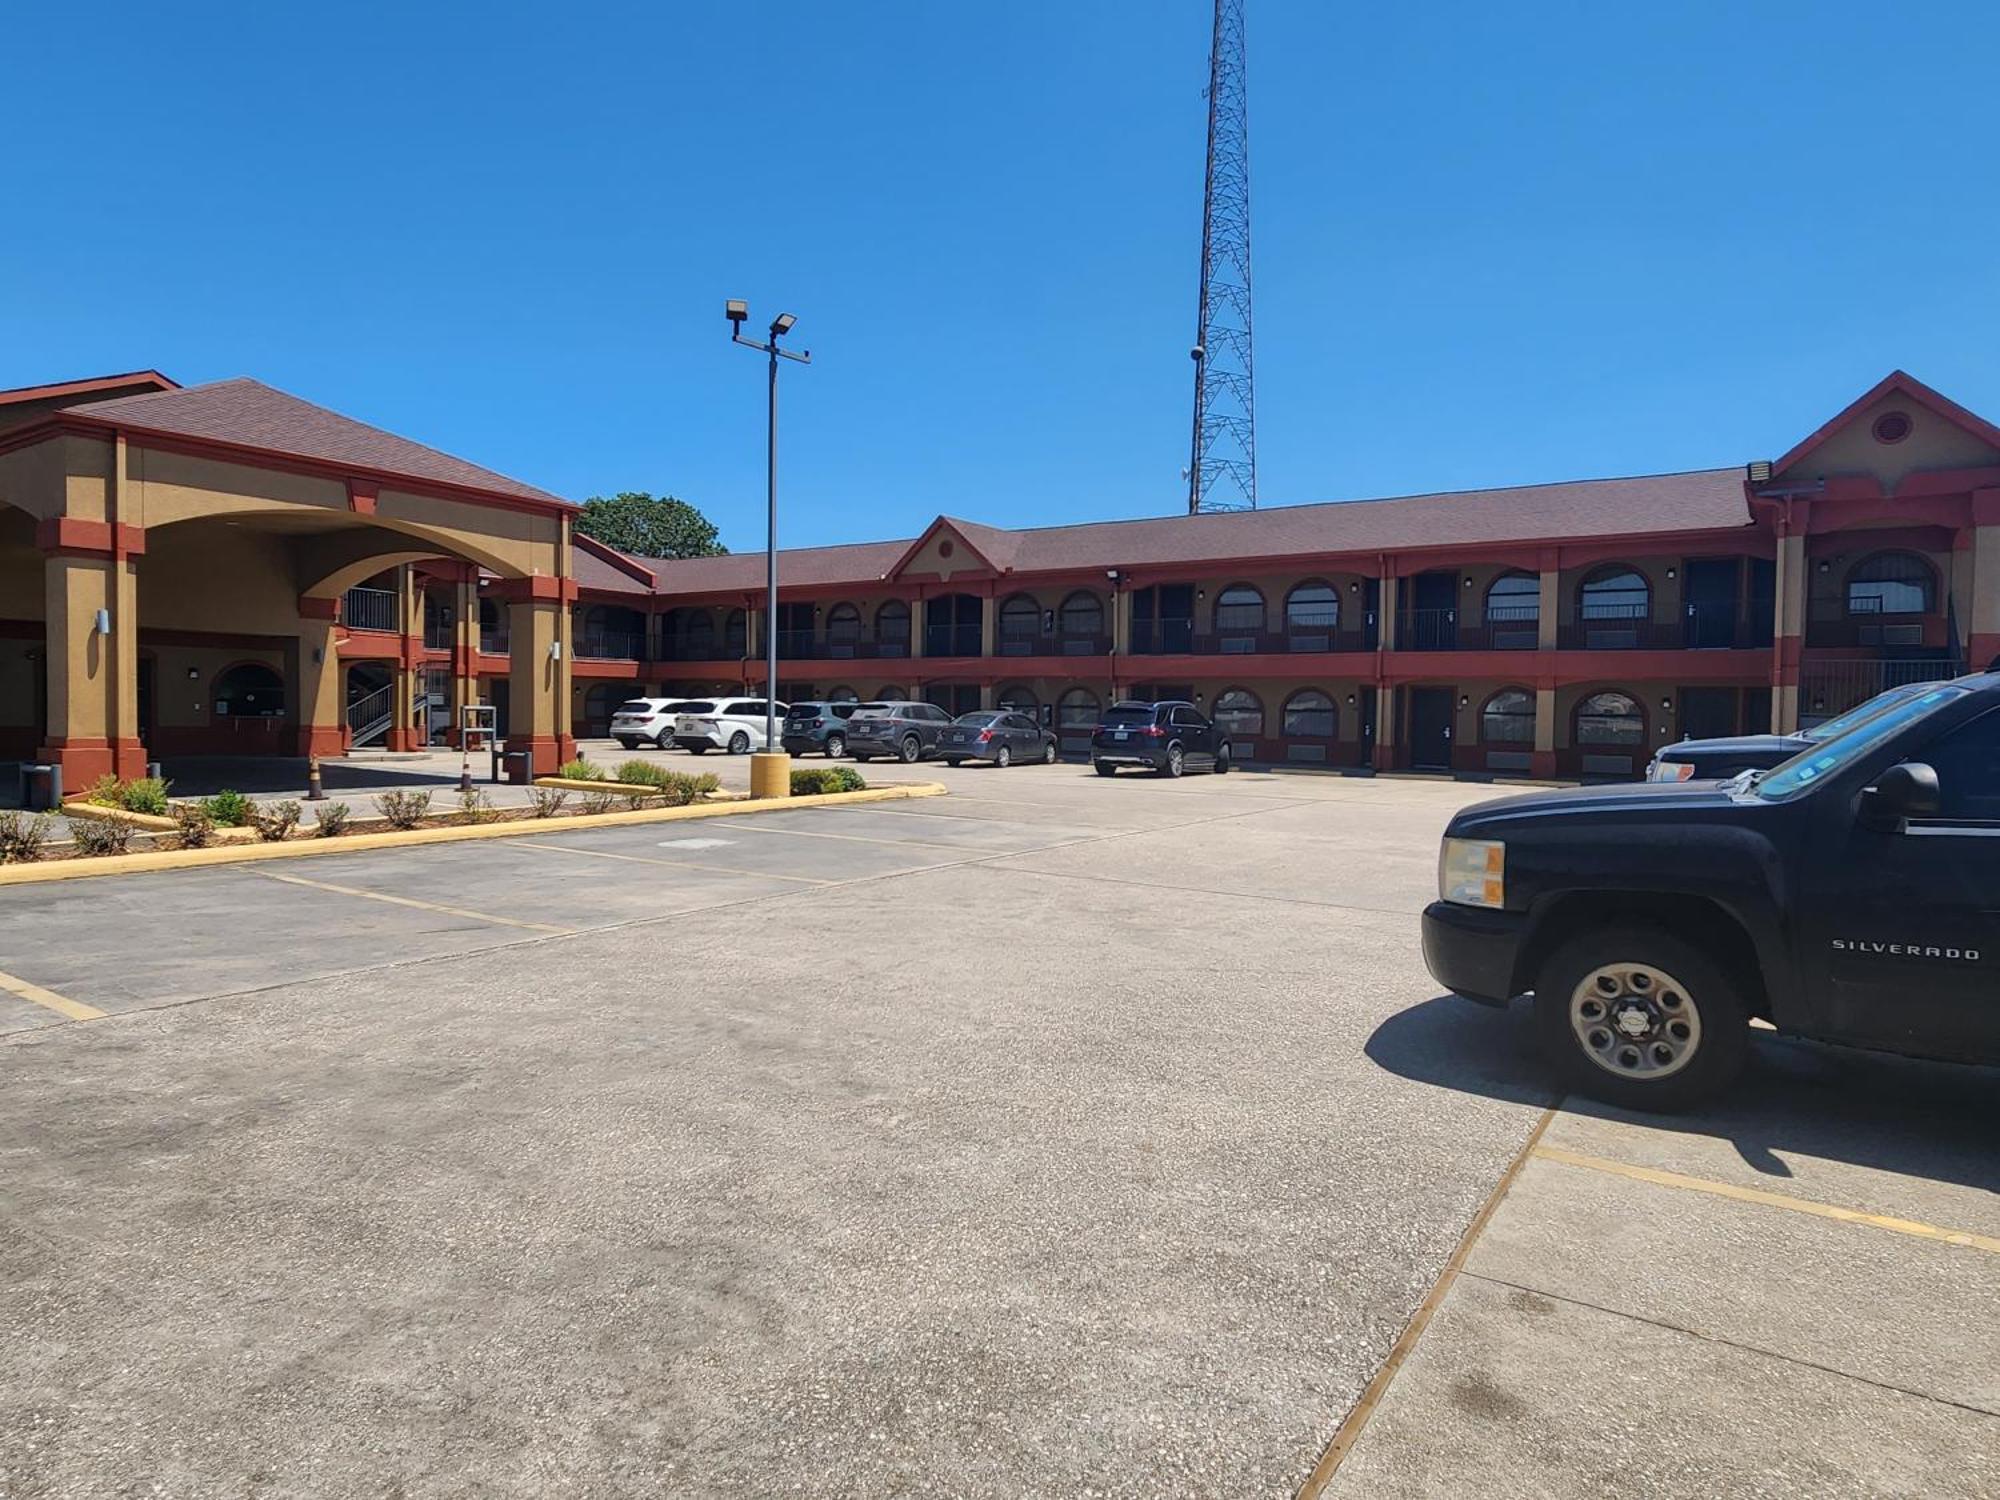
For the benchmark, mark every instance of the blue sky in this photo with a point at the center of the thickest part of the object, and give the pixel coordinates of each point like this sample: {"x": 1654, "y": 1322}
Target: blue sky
{"x": 1492, "y": 245}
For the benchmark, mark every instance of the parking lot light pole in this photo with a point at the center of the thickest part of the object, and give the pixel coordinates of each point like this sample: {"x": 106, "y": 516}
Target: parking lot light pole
{"x": 770, "y": 771}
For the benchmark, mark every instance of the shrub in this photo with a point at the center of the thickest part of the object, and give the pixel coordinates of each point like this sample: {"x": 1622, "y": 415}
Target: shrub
{"x": 144, "y": 794}
{"x": 678, "y": 788}
{"x": 103, "y": 792}
{"x": 197, "y": 828}
{"x": 227, "y": 809}
{"x": 276, "y": 822}
{"x": 404, "y": 809}
{"x": 473, "y": 806}
{"x": 598, "y": 802}
{"x": 22, "y": 838}
{"x": 93, "y": 837}
{"x": 581, "y": 770}
{"x": 642, "y": 773}
{"x": 546, "y": 801}
{"x": 332, "y": 820}
{"x": 813, "y": 780}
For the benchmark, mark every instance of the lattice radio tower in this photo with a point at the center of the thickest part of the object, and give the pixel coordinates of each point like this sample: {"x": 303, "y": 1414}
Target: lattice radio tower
{"x": 1222, "y": 472}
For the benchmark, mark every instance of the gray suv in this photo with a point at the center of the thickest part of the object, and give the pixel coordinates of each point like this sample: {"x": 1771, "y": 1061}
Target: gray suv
{"x": 906, "y": 731}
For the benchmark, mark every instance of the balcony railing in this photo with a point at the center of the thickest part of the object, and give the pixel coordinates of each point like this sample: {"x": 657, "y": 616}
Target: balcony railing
{"x": 1285, "y": 642}
{"x": 1620, "y": 627}
{"x": 1427, "y": 630}
{"x": 1060, "y": 643}
{"x": 1162, "y": 637}
{"x": 369, "y": 609}
{"x": 1877, "y": 631}
{"x": 1830, "y": 687}
{"x": 952, "y": 640}
{"x": 611, "y": 645}
{"x": 439, "y": 635}
{"x": 493, "y": 639}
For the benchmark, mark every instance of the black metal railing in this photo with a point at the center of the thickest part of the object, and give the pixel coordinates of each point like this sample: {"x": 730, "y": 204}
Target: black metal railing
{"x": 369, "y": 609}
{"x": 611, "y": 645}
{"x": 1162, "y": 637}
{"x": 1427, "y": 630}
{"x": 953, "y": 640}
{"x": 1051, "y": 643}
{"x": 1833, "y": 686}
{"x": 494, "y": 639}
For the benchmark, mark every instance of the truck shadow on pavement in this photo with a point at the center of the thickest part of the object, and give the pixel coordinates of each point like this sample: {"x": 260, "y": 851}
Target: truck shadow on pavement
{"x": 1932, "y": 1120}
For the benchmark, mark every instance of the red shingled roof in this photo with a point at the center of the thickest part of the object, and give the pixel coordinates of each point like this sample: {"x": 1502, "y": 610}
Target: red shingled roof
{"x": 249, "y": 414}
{"x": 609, "y": 571}
{"x": 1704, "y": 500}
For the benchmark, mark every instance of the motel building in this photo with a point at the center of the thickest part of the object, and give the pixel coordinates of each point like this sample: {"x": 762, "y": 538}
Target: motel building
{"x": 227, "y": 570}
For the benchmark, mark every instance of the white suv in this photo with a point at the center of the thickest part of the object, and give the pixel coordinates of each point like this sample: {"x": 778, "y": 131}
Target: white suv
{"x": 732, "y": 724}
{"x": 639, "y": 721}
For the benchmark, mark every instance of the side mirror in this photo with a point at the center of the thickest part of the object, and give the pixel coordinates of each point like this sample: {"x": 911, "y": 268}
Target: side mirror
{"x": 1908, "y": 790}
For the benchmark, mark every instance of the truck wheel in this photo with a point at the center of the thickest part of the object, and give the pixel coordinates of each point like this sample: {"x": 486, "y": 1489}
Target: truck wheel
{"x": 1635, "y": 1016}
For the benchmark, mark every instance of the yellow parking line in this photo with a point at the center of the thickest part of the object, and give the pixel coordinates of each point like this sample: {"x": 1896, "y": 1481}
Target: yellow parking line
{"x": 673, "y": 864}
{"x": 1769, "y": 1200}
{"x": 62, "y": 1005}
{"x": 449, "y": 911}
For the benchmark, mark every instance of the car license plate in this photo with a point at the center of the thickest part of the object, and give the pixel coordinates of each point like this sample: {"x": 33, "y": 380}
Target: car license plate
{"x": 1121, "y": 734}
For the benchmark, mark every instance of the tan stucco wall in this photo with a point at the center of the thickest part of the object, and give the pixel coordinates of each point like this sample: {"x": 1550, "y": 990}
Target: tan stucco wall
{"x": 1933, "y": 443}
{"x": 181, "y": 702}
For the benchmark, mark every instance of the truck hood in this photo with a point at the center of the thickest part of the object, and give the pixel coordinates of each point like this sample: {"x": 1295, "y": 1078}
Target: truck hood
{"x": 1662, "y": 802}
{"x": 1761, "y": 746}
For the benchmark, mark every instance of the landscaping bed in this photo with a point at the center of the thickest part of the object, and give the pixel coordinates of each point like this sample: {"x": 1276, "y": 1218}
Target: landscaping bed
{"x": 138, "y": 818}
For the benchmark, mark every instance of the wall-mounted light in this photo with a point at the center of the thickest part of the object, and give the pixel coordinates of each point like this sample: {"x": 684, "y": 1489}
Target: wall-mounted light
{"x": 555, "y": 650}
{"x": 1113, "y": 574}
{"x": 1354, "y": 587}
{"x": 1464, "y": 701}
{"x": 1201, "y": 593}
{"x": 1825, "y": 566}
{"x": 1468, "y": 582}
{"x": 1670, "y": 572}
{"x": 1350, "y": 700}
{"x": 1667, "y": 704}
{"x": 194, "y": 674}
{"x": 318, "y": 656}
{"x": 103, "y": 622}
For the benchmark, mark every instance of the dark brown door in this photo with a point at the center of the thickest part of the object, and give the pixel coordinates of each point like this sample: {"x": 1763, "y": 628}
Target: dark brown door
{"x": 1430, "y": 729}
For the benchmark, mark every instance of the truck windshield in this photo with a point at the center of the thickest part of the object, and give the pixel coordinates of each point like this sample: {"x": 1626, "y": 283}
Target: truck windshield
{"x": 1798, "y": 774}
{"x": 1839, "y": 724}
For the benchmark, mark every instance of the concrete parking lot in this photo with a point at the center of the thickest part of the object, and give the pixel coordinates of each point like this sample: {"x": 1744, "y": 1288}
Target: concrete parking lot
{"x": 1057, "y": 1137}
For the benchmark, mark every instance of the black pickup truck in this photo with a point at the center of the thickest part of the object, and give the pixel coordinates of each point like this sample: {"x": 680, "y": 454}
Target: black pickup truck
{"x": 1851, "y": 894}
{"x": 1704, "y": 760}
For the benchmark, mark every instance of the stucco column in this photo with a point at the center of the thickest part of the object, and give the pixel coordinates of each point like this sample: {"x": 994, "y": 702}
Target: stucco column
{"x": 538, "y": 679}
{"x": 464, "y": 650}
{"x": 320, "y": 725}
{"x": 987, "y": 640}
{"x": 404, "y": 676}
{"x": 1385, "y": 625}
{"x": 93, "y": 675}
{"x": 1549, "y": 617}
{"x": 1788, "y": 628}
{"x": 919, "y": 626}
{"x": 1543, "y": 761}
{"x": 1982, "y": 608}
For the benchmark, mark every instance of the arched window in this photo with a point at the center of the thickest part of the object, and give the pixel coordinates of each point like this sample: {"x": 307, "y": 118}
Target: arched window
{"x": 1020, "y": 625}
{"x": 1891, "y": 583}
{"x": 697, "y": 634}
{"x": 1309, "y": 715}
{"x": 843, "y": 626}
{"x": 1239, "y": 608}
{"x": 1018, "y": 698}
{"x": 1516, "y": 599}
{"x": 892, "y": 628}
{"x": 843, "y": 694}
{"x": 1615, "y": 593}
{"x": 735, "y": 632}
{"x": 249, "y": 690}
{"x": 1312, "y": 609}
{"x": 1508, "y": 718}
{"x": 1082, "y": 615}
{"x": 1239, "y": 713}
{"x": 1611, "y": 719}
{"x": 892, "y": 694}
{"x": 1077, "y": 709}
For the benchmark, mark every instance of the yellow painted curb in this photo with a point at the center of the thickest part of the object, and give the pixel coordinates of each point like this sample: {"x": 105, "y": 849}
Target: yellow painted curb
{"x": 361, "y": 843}
{"x": 615, "y": 788}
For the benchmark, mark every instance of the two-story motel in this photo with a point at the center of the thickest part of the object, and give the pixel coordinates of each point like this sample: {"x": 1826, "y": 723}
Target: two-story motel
{"x": 227, "y": 569}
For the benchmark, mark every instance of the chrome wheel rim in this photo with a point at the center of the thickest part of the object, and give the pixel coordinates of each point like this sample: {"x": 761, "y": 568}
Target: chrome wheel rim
{"x": 1635, "y": 1021}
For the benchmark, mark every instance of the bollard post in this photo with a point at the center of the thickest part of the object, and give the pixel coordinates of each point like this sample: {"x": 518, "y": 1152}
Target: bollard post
{"x": 314, "y": 791}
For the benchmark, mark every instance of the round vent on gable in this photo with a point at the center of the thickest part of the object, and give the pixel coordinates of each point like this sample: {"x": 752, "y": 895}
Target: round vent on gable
{"x": 1892, "y": 426}
{"x": 945, "y": 548}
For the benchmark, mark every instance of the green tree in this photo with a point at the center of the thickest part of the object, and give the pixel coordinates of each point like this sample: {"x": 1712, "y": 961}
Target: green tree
{"x": 649, "y": 526}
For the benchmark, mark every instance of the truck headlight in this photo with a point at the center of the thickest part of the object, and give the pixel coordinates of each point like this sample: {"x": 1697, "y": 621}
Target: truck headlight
{"x": 1670, "y": 770}
{"x": 1473, "y": 872}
